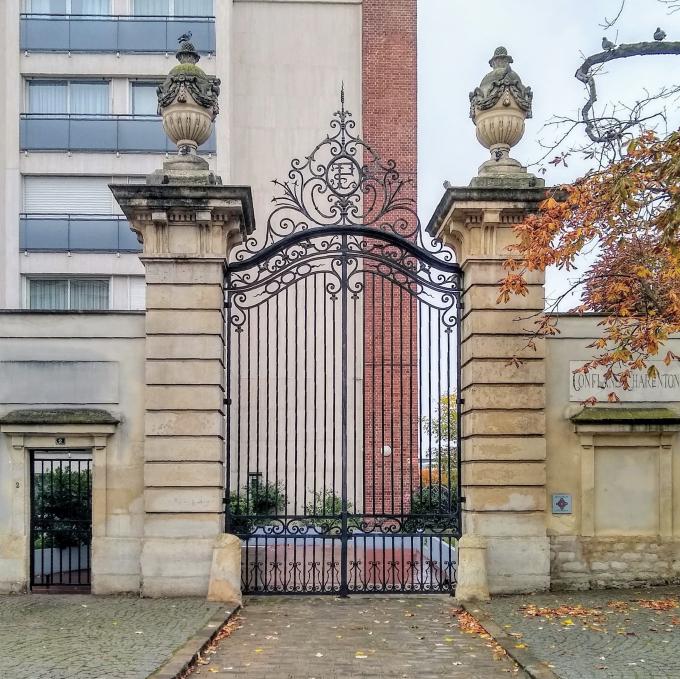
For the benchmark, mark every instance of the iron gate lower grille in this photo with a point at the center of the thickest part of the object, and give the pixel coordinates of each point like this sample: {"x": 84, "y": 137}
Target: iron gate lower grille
{"x": 61, "y": 519}
{"x": 343, "y": 372}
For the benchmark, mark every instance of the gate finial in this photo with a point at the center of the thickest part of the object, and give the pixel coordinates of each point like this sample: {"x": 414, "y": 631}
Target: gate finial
{"x": 498, "y": 108}
{"x": 187, "y": 100}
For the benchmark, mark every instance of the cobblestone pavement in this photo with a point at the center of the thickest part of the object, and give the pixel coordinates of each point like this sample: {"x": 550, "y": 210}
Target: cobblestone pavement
{"x": 65, "y": 636}
{"x": 324, "y": 637}
{"x": 623, "y": 638}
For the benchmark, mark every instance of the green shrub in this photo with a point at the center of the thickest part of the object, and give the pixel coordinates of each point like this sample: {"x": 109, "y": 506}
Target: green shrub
{"x": 60, "y": 503}
{"x": 238, "y": 508}
{"x": 326, "y": 508}
{"x": 427, "y": 504}
{"x": 255, "y": 499}
{"x": 265, "y": 498}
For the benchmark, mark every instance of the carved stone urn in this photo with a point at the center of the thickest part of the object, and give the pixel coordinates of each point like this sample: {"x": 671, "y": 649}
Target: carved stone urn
{"x": 187, "y": 100}
{"x": 498, "y": 108}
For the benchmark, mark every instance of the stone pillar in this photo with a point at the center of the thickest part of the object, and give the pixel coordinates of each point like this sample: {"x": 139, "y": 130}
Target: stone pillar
{"x": 187, "y": 232}
{"x": 503, "y": 421}
{"x": 188, "y": 222}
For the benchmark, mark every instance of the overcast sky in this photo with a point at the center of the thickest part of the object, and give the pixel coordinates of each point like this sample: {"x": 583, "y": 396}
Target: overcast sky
{"x": 548, "y": 40}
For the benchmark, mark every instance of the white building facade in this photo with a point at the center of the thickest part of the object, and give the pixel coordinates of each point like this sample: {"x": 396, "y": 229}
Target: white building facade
{"x": 79, "y": 113}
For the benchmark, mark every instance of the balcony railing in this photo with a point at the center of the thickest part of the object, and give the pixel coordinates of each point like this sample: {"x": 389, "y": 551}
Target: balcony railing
{"x": 76, "y": 233}
{"x": 98, "y": 133}
{"x": 89, "y": 33}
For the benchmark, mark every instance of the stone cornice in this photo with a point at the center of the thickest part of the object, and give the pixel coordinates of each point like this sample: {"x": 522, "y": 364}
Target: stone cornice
{"x": 472, "y": 199}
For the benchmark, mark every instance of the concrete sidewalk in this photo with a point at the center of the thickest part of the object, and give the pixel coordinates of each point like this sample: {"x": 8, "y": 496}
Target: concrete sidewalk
{"x": 45, "y": 636}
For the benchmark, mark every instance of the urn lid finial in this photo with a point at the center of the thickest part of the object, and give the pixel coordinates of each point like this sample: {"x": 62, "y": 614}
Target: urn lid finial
{"x": 188, "y": 100}
{"x": 498, "y": 108}
{"x": 500, "y": 58}
{"x": 499, "y": 81}
{"x": 187, "y": 54}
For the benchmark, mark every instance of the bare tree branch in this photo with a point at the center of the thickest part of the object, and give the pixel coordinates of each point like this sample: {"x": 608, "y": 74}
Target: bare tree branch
{"x": 608, "y": 23}
{"x": 585, "y": 75}
{"x": 673, "y": 5}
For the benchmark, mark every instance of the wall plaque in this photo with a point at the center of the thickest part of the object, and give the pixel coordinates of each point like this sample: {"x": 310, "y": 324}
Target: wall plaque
{"x": 561, "y": 503}
{"x": 664, "y": 388}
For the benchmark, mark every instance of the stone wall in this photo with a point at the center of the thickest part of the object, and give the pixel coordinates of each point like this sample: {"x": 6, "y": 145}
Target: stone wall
{"x": 595, "y": 562}
{"x": 76, "y": 360}
{"x": 623, "y": 529}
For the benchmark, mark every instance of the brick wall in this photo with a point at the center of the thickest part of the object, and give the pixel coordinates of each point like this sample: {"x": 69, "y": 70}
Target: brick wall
{"x": 389, "y": 115}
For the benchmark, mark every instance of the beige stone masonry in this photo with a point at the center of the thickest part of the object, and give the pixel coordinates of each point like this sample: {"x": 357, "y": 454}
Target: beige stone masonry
{"x": 185, "y": 423}
{"x": 511, "y": 319}
{"x": 505, "y": 396}
{"x": 484, "y": 295}
{"x": 186, "y": 296}
{"x": 503, "y": 414}
{"x": 513, "y": 421}
{"x": 485, "y": 447}
{"x": 504, "y": 524}
{"x": 490, "y": 371}
{"x": 187, "y": 231}
{"x": 518, "y": 474}
{"x": 178, "y": 372}
{"x": 184, "y": 499}
{"x": 225, "y": 573}
{"x": 184, "y": 397}
{"x": 199, "y": 474}
{"x": 493, "y": 346}
{"x": 185, "y": 346}
{"x": 502, "y": 498}
{"x": 181, "y": 448}
{"x": 169, "y": 525}
{"x": 184, "y": 322}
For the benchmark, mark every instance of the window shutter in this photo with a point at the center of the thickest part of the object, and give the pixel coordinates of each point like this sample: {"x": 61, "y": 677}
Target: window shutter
{"x": 73, "y": 195}
{"x": 68, "y": 195}
{"x": 137, "y": 293}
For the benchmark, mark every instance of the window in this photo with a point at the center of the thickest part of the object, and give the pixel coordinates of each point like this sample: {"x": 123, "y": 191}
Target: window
{"x": 92, "y": 7}
{"x": 164, "y": 8}
{"x": 60, "y": 96}
{"x": 58, "y": 195}
{"x": 64, "y": 294}
{"x": 144, "y": 99}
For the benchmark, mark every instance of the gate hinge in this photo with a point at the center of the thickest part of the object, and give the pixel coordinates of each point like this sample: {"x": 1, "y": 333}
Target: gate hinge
{"x": 462, "y": 499}
{"x": 227, "y": 401}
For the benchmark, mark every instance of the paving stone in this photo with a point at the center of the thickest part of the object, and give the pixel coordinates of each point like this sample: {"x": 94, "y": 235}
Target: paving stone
{"x": 635, "y": 642}
{"x": 328, "y": 638}
{"x": 48, "y": 636}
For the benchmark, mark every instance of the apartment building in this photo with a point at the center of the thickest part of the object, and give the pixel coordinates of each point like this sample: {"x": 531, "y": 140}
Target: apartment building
{"x": 79, "y": 112}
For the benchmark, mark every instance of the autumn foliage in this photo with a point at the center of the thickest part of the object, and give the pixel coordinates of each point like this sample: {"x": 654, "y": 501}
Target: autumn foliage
{"x": 628, "y": 215}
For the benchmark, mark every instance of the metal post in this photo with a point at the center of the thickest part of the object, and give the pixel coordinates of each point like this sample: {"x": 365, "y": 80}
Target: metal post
{"x": 344, "y": 289}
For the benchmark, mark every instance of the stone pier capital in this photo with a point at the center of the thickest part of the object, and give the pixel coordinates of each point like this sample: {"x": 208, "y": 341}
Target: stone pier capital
{"x": 187, "y": 220}
{"x": 477, "y": 221}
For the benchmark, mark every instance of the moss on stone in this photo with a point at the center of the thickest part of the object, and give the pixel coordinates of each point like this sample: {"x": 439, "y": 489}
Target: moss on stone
{"x": 59, "y": 416}
{"x": 627, "y": 415}
{"x": 188, "y": 69}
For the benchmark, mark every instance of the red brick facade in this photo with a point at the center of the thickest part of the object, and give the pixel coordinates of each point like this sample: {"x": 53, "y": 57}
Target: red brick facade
{"x": 391, "y": 380}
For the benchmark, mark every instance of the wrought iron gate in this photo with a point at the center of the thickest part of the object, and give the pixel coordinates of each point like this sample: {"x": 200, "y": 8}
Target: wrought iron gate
{"x": 61, "y": 519}
{"x": 343, "y": 372}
